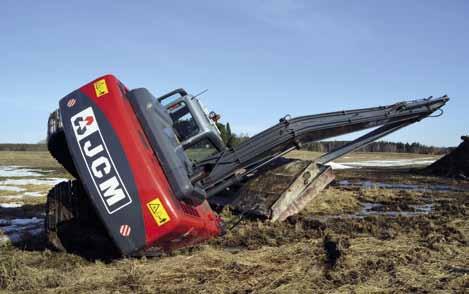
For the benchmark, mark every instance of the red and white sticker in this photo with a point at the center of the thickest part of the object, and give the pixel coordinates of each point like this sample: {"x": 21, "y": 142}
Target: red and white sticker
{"x": 125, "y": 230}
{"x": 71, "y": 102}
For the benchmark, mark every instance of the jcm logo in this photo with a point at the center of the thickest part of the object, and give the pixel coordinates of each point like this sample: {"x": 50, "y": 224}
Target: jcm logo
{"x": 81, "y": 123}
{"x": 98, "y": 161}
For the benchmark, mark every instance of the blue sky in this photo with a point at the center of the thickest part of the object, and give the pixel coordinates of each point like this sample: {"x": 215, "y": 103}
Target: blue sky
{"x": 259, "y": 59}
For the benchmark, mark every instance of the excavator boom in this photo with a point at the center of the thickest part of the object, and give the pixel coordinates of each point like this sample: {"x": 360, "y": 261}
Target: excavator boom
{"x": 233, "y": 165}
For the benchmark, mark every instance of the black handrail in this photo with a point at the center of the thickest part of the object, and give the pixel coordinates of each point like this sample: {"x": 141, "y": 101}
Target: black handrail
{"x": 179, "y": 91}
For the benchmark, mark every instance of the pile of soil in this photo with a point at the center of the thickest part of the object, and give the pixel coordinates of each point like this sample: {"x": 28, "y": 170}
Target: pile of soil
{"x": 455, "y": 164}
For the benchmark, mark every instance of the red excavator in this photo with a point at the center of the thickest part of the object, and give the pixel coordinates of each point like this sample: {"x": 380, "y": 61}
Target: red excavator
{"x": 148, "y": 170}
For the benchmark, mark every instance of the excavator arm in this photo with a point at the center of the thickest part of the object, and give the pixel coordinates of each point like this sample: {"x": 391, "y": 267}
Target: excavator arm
{"x": 231, "y": 166}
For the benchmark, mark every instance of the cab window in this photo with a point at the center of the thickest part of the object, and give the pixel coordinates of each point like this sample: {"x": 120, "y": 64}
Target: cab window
{"x": 184, "y": 123}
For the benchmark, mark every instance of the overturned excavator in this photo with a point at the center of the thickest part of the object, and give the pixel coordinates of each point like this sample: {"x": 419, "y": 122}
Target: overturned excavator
{"x": 149, "y": 170}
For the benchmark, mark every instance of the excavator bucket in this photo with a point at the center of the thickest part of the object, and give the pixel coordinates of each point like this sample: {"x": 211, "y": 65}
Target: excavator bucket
{"x": 304, "y": 188}
{"x": 282, "y": 189}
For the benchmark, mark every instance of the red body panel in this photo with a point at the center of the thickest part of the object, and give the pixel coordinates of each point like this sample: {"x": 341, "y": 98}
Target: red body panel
{"x": 187, "y": 225}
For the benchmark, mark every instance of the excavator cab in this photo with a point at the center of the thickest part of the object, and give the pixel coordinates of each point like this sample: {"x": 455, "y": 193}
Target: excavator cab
{"x": 194, "y": 127}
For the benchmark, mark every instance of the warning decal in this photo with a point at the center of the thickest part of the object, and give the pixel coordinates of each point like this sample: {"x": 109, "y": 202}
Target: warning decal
{"x": 100, "y": 87}
{"x": 158, "y": 211}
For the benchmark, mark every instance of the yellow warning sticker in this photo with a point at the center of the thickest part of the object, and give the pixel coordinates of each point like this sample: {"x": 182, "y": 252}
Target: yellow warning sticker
{"x": 100, "y": 87}
{"x": 158, "y": 211}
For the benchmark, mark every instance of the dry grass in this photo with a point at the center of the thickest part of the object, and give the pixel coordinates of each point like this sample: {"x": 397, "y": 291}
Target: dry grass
{"x": 333, "y": 201}
{"x": 304, "y": 254}
{"x": 28, "y": 158}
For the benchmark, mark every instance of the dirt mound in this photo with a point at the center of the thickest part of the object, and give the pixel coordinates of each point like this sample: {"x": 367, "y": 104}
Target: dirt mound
{"x": 455, "y": 164}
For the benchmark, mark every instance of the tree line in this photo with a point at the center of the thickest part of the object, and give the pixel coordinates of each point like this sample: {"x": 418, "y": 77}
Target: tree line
{"x": 231, "y": 139}
{"x": 22, "y": 147}
{"x": 380, "y": 146}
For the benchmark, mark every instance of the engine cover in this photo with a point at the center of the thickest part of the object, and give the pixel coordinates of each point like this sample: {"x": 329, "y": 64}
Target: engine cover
{"x": 122, "y": 174}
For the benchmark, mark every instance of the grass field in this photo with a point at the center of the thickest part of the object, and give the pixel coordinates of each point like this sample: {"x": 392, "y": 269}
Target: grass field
{"x": 353, "y": 238}
{"x": 41, "y": 159}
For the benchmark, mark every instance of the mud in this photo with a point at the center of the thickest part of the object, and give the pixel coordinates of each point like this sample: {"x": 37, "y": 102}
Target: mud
{"x": 398, "y": 186}
{"x": 350, "y": 239}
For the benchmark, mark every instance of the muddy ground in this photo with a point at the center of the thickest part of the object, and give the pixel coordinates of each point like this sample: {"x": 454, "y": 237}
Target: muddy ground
{"x": 357, "y": 237}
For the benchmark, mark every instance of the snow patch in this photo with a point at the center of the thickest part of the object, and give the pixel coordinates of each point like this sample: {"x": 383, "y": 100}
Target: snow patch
{"x": 390, "y": 163}
{"x": 335, "y": 165}
{"x": 382, "y": 163}
{"x": 33, "y": 194}
{"x": 18, "y": 171}
{"x": 11, "y": 197}
{"x": 11, "y": 188}
{"x": 21, "y": 196}
{"x": 23, "y": 182}
{"x": 11, "y": 205}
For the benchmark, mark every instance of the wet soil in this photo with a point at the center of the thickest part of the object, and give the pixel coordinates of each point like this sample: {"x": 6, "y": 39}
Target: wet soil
{"x": 350, "y": 239}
